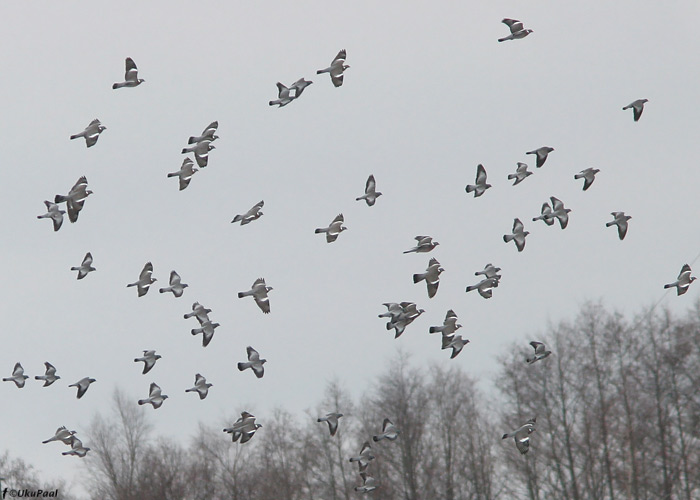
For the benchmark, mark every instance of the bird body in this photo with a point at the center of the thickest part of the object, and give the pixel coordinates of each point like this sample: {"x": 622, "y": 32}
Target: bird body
{"x": 201, "y": 152}
{"x": 206, "y": 328}
{"x": 283, "y": 97}
{"x": 558, "y": 211}
{"x": 244, "y": 428}
{"x": 449, "y": 325}
{"x": 259, "y": 292}
{"x": 187, "y": 170}
{"x": 425, "y": 244}
{"x": 683, "y": 281}
{"x": 85, "y": 267}
{"x": 517, "y": 30}
{"x": 456, "y": 343}
{"x": 49, "y": 377}
{"x": 75, "y": 199}
{"x": 332, "y": 420}
{"x": 541, "y": 154}
{"x": 155, "y": 397}
{"x": 637, "y": 107}
{"x": 365, "y": 456}
{"x": 254, "y": 363}
{"x": 545, "y": 214}
{"x": 177, "y": 287}
{"x": 131, "y": 76}
{"x": 76, "y": 448}
{"x": 200, "y": 386}
{"x": 621, "y": 223}
{"x": 53, "y": 213}
{"x": 480, "y": 186}
{"x": 251, "y": 215}
{"x": 484, "y": 287}
{"x": 540, "y": 352}
{"x": 18, "y": 376}
{"x": 521, "y": 173}
{"x": 389, "y": 431}
{"x": 333, "y": 230}
{"x": 409, "y": 312}
{"x": 91, "y": 133}
{"x": 149, "y": 359}
{"x": 371, "y": 193}
{"x": 368, "y": 483}
{"x": 336, "y": 69}
{"x": 200, "y": 312}
{"x": 431, "y": 277}
{"x": 145, "y": 280}
{"x": 82, "y": 385}
{"x": 518, "y": 235}
{"x": 62, "y": 434}
{"x": 490, "y": 271}
{"x": 207, "y": 135}
{"x": 522, "y": 435}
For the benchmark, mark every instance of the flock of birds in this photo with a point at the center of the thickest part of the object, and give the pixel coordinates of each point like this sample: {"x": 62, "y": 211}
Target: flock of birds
{"x": 399, "y": 315}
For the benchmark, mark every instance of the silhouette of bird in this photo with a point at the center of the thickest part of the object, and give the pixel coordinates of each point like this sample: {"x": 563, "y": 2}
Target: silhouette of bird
{"x": 299, "y": 86}
{"x": 637, "y": 107}
{"x": 336, "y": 68}
{"x": 517, "y": 30}
{"x": 371, "y": 193}
{"x": 541, "y": 154}
{"x": 149, "y": 359}
{"x": 456, "y": 343}
{"x": 200, "y": 386}
{"x": 545, "y": 214}
{"x": 177, "y": 287}
{"x": 449, "y": 325}
{"x": 18, "y": 376}
{"x": 244, "y": 428}
{"x": 201, "y": 312}
{"x": 155, "y": 397}
{"x": 365, "y": 457}
{"x": 484, "y": 287}
{"x": 490, "y": 271}
{"x": 540, "y": 352}
{"x": 206, "y": 328}
{"x": 76, "y": 448}
{"x": 559, "y": 212}
{"x": 201, "y": 152}
{"x": 409, "y": 312}
{"x": 85, "y": 267}
{"x": 425, "y": 244}
{"x": 254, "y": 363}
{"x": 368, "y": 483}
{"x": 62, "y": 434}
{"x": 588, "y": 176}
{"x": 332, "y": 420}
{"x": 283, "y": 97}
{"x": 83, "y": 384}
{"x": 91, "y": 133}
{"x": 53, "y": 213}
{"x": 431, "y": 277}
{"x": 621, "y": 223}
{"x": 75, "y": 199}
{"x": 389, "y": 431}
{"x": 187, "y": 170}
{"x": 207, "y": 135}
{"x": 145, "y": 280}
{"x": 49, "y": 376}
{"x": 480, "y": 186}
{"x": 333, "y": 230}
{"x": 251, "y": 215}
{"x": 259, "y": 292}
{"x": 131, "y": 76}
{"x": 518, "y": 235}
{"x": 520, "y": 174}
{"x": 522, "y": 435}
{"x": 683, "y": 281}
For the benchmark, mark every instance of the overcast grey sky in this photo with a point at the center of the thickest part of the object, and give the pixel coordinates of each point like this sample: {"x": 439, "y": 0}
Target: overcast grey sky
{"x": 429, "y": 95}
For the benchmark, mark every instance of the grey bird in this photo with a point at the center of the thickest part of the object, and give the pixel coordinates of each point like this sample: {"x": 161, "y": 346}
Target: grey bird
{"x": 83, "y": 384}
{"x": 283, "y": 97}
{"x": 517, "y": 30}
{"x": 244, "y": 428}
{"x": 455, "y": 342}
{"x": 131, "y": 76}
{"x": 75, "y": 199}
{"x": 480, "y": 186}
{"x": 299, "y": 86}
{"x": 145, "y": 280}
{"x": 333, "y": 230}
{"x": 368, "y": 483}
{"x": 541, "y": 154}
{"x": 332, "y": 420}
{"x": 588, "y": 176}
{"x": 621, "y": 223}
{"x": 176, "y": 286}
{"x": 484, "y": 287}
{"x": 518, "y": 235}
{"x": 425, "y": 244}
{"x": 85, "y": 267}
{"x": 149, "y": 359}
{"x": 201, "y": 152}
{"x": 540, "y": 352}
{"x": 251, "y": 215}
{"x": 449, "y": 325}
{"x": 209, "y": 134}
{"x": 49, "y": 376}
{"x": 559, "y": 212}
{"x": 76, "y": 448}
{"x": 53, "y": 213}
{"x": 682, "y": 282}
{"x": 545, "y": 214}
{"x": 187, "y": 170}
{"x": 394, "y": 310}
{"x": 490, "y": 271}
{"x": 336, "y": 68}
{"x": 637, "y": 106}
{"x": 389, "y": 431}
{"x": 408, "y": 315}
{"x": 206, "y": 328}
{"x": 365, "y": 456}
{"x": 155, "y": 397}
{"x": 522, "y": 435}
{"x": 520, "y": 174}
{"x": 254, "y": 363}
{"x": 259, "y": 292}
{"x": 62, "y": 434}
{"x": 18, "y": 376}
{"x": 200, "y": 386}
{"x": 431, "y": 277}
{"x": 371, "y": 193}
{"x": 201, "y": 312}
{"x": 91, "y": 133}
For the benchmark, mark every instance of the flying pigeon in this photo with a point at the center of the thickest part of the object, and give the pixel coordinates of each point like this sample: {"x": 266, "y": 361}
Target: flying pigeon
{"x": 409, "y": 312}
{"x": 621, "y": 223}
{"x": 431, "y": 277}
{"x": 53, "y": 213}
{"x": 332, "y": 420}
{"x": 518, "y": 235}
{"x": 207, "y": 134}
{"x": 149, "y": 359}
{"x": 259, "y": 292}
{"x": 207, "y": 330}
{"x": 517, "y": 30}
{"x": 637, "y": 106}
{"x": 145, "y": 280}
{"x": 187, "y": 170}
{"x": 455, "y": 342}
{"x": 682, "y": 283}
{"x": 490, "y": 271}
{"x": 365, "y": 456}
{"x": 82, "y": 385}
{"x": 283, "y": 97}
{"x": 333, "y": 230}
{"x": 541, "y": 154}
{"x": 131, "y": 77}
{"x": 299, "y": 86}
{"x": 18, "y": 376}
{"x": 62, "y": 434}
{"x": 449, "y": 325}
{"x": 540, "y": 352}
{"x": 244, "y": 428}
{"x": 49, "y": 377}
{"x": 251, "y": 215}
{"x": 559, "y": 212}
{"x": 200, "y": 312}
{"x": 336, "y": 69}
{"x": 254, "y": 363}
{"x": 480, "y": 185}
{"x": 394, "y": 310}
{"x": 368, "y": 484}
{"x": 155, "y": 398}
{"x": 201, "y": 152}
{"x": 75, "y": 199}
{"x": 85, "y": 267}
{"x": 522, "y": 435}
{"x": 91, "y": 133}
{"x": 176, "y": 285}
{"x": 545, "y": 214}
{"x": 425, "y": 244}
{"x": 484, "y": 287}
{"x": 389, "y": 431}
{"x": 520, "y": 174}
{"x": 588, "y": 176}
{"x": 76, "y": 448}
{"x": 371, "y": 194}
{"x": 200, "y": 386}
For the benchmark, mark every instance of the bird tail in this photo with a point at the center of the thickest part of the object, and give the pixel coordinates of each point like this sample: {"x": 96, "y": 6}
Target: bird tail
{"x": 472, "y": 287}
{"x": 505, "y": 436}
{"x": 321, "y": 71}
{"x": 320, "y": 230}
{"x": 192, "y": 140}
{"x": 75, "y": 136}
{"x": 241, "y": 295}
{"x": 116, "y": 86}
{"x": 143, "y": 401}
{"x": 195, "y": 331}
{"x": 504, "y": 39}
{"x": 608, "y": 224}
{"x": 409, "y": 251}
{"x": 432, "y": 329}
{"x": 577, "y": 176}
{"x": 418, "y": 277}
{"x": 241, "y": 367}
{"x": 508, "y": 237}
{"x": 670, "y": 285}
{"x": 190, "y": 390}
{"x": 512, "y": 176}
{"x": 185, "y": 150}
{"x": 174, "y": 174}
{"x": 470, "y": 188}
{"x": 377, "y": 438}
{"x": 237, "y": 218}
{"x": 59, "y": 198}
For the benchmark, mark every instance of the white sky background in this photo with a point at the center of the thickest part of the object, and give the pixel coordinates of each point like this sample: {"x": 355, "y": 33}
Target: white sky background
{"x": 429, "y": 95}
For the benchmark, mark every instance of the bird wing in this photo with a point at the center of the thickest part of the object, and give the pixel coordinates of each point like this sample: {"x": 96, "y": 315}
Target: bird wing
{"x": 87, "y": 260}
{"x": 371, "y": 184}
{"x": 518, "y": 226}
{"x": 523, "y": 444}
{"x": 174, "y": 278}
{"x": 146, "y": 272}
{"x": 131, "y": 74}
{"x": 480, "y": 174}
{"x": 18, "y": 371}
{"x": 154, "y": 390}
{"x": 253, "y": 355}
{"x": 339, "y": 218}
{"x": 556, "y": 203}
{"x": 50, "y": 369}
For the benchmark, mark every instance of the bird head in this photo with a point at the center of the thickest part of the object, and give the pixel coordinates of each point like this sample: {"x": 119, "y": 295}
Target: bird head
{"x": 345, "y": 66}
{"x": 164, "y": 396}
{"x": 268, "y": 288}
{"x": 263, "y": 361}
{"x": 343, "y": 228}
{"x": 101, "y": 128}
{"x": 141, "y": 80}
